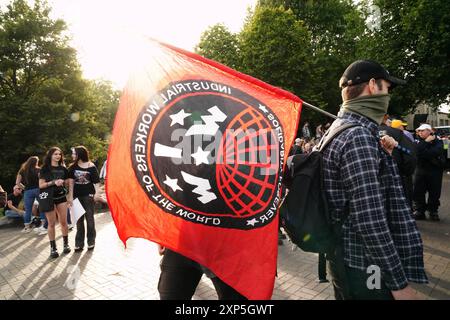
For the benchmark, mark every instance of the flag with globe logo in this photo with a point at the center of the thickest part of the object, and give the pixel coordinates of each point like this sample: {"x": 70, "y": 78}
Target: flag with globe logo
{"x": 195, "y": 164}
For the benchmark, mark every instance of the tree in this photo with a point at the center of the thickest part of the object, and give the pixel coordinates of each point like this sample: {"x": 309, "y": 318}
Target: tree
{"x": 413, "y": 41}
{"x": 334, "y": 24}
{"x": 44, "y": 100}
{"x": 335, "y": 28}
{"x": 274, "y": 47}
{"x": 33, "y": 48}
{"x": 219, "y": 44}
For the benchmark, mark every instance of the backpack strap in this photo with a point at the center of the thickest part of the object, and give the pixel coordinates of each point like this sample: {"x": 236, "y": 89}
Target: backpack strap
{"x": 332, "y": 133}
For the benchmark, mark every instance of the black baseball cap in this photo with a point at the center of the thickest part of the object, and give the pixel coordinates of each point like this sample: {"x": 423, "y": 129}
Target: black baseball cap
{"x": 362, "y": 71}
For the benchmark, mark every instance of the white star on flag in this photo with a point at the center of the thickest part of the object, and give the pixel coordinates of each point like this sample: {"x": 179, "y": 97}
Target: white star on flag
{"x": 263, "y": 108}
{"x": 252, "y": 222}
{"x": 179, "y": 117}
{"x": 173, "y": 183}
{"x": 200, "y": 156}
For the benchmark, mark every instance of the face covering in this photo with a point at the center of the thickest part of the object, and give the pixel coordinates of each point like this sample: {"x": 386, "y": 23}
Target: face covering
{"x": 373, "y": 107}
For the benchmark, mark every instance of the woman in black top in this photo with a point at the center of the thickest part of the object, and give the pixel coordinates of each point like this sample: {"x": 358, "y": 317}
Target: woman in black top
{"x": 52, "y": 197}
{"x": 29, "y": 176}
{"x": 83, "y": 184}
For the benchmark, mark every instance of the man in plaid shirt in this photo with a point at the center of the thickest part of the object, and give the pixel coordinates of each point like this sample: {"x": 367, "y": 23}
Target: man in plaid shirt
{"x": 365, "y": 196}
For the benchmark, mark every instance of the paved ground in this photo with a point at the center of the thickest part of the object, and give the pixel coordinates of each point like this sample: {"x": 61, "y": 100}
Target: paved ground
{"x": 111, "y": 272}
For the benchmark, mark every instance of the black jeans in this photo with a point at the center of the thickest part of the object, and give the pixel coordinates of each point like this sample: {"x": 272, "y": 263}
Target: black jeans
{"x": 180, "y": 277}
{"x": 428, "y": 181}
{"x": 88, "y": 205}
{"x": 350, "y": 283}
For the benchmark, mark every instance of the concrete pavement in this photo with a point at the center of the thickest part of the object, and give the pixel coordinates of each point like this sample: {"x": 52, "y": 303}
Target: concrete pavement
{"x": 111, "y": 272}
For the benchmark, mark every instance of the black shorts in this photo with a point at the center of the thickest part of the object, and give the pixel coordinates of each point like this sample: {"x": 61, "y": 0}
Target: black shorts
{"x": 59, "y": 200}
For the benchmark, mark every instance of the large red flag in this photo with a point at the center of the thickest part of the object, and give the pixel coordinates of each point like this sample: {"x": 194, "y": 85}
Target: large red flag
{"x": 195, "y": 164}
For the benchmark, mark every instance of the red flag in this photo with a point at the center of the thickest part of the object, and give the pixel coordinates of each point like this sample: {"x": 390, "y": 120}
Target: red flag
{"x": 195, "y": 164}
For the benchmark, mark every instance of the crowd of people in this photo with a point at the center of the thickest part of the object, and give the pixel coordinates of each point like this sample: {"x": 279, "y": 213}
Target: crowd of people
{"x": 420, "y": 157}
{"x": 48, "y": 192}
{"x": 307, "y": 141}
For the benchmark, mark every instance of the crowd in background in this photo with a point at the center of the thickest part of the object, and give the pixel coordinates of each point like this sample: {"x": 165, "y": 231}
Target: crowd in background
{"x": 43, "y": 196}
{"x": 421, "y": 157}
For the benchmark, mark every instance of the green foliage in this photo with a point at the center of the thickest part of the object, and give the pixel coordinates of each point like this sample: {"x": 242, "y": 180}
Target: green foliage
{"x": 334, "y": 27}
{"x": 33, "y": 48}
{"x": 44, "y": 100}
{"x": 414, "y": 42}
{"x": 274, "y": 47}
{"x": 219, "y": 44}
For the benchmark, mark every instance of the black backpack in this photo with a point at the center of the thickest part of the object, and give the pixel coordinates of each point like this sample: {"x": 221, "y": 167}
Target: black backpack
{"x": 304, "y": 213}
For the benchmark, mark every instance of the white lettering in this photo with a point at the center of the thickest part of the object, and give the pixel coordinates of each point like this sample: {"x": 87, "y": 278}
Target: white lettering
{"x": 374, "y": 281}
{"x": 139, "y": 148}
{"x": 146, "y": 118}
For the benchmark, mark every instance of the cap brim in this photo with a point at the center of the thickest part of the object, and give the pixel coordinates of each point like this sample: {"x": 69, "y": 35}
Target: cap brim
{"x": 423, "y": 127}
{"x": 395, "y": 81}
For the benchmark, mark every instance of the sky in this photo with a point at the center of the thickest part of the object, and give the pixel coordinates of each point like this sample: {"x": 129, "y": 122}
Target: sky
{"x": 107, "y": 32}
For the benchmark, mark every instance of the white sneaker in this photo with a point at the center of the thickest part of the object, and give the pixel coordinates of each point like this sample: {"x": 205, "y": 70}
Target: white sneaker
{"x": 40, "y": 229}
{"x": 26, "y": 229}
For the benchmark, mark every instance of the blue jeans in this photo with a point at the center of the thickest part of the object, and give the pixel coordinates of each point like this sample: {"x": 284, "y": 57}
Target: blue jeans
{"x": 12, "y": 214}
{"x": 28, "y": 197}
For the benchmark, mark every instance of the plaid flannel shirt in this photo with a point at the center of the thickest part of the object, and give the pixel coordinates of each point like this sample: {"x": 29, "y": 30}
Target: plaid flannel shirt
{"x": 362, "y": 179}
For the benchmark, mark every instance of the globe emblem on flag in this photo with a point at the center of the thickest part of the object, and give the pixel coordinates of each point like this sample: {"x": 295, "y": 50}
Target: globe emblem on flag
{"x": 248, "y": 163}
{"x": 209, "y": 153}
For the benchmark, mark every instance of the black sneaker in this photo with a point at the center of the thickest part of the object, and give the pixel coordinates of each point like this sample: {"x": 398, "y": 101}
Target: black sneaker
{"x": 54, "y": 253}
{"x": 78, "y": 249}
{"x": 66, "y": 248}
{"x": 434, "y": 216}
{"x": 280, "y": 242}
{"x": 419, "y": 215}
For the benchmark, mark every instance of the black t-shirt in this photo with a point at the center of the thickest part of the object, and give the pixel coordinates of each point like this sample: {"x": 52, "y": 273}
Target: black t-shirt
{"x": 31, "y": 181}
{"x": 15, "y": 200}
{"x": 84, "y": 180}
{"x": 56, "y": 173}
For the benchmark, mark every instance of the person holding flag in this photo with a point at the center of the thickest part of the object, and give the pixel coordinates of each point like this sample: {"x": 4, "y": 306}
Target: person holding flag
{"x": 180, "y": 277}
{"x": 195, "y": 164}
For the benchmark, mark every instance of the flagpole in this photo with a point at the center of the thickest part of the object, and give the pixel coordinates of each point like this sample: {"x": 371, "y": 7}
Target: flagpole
{"x": 306, "y": 104}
